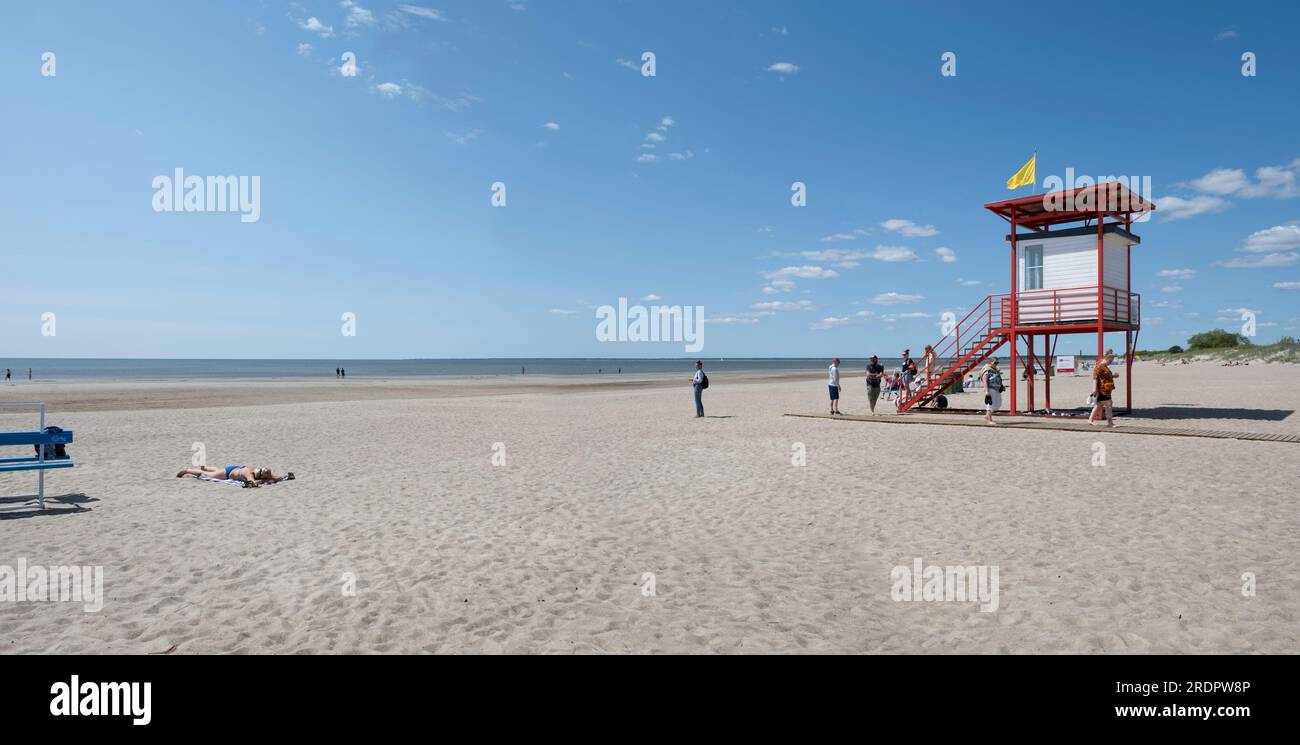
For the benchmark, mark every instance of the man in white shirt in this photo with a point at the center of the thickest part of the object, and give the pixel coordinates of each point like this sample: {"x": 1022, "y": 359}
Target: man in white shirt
{"x": 835, "y": 386}
{"x": 698, "y": 383}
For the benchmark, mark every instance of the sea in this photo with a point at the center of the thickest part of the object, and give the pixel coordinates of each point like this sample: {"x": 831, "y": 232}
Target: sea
{"x": 93, "y": 369}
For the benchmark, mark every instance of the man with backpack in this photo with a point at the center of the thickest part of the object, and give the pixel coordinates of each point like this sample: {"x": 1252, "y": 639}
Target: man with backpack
{"x": 700, "y": 382}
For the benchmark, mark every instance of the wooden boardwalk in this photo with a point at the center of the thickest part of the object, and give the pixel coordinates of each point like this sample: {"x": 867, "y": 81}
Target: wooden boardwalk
{"x": 1030, "y": 422}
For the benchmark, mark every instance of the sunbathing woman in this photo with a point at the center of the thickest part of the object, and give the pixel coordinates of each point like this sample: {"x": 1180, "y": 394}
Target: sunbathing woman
{"x": 251, "y": 476}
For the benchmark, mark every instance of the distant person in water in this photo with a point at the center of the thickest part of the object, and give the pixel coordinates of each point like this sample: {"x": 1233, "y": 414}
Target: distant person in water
{"x": 251, "y": 476}
{"x": 343, "y": 372}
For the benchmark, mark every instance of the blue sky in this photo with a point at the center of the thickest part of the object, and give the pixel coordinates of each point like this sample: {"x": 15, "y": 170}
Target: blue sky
{"x": 375, "y": 188}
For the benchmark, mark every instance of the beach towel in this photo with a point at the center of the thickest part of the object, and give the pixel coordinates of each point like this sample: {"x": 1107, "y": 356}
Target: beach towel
{"x": 231, "y": 482}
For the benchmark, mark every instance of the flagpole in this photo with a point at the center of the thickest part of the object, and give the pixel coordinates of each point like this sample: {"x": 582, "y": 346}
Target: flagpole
{"x": 1035, "y": 185}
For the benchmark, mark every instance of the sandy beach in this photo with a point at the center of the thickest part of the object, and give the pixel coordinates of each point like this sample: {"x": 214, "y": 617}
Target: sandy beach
{"x": 405, "y": 531}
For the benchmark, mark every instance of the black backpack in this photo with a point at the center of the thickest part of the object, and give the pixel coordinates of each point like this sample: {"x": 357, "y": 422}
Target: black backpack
{"x": 704, "y": 382}
{"x": 55, "y": 451}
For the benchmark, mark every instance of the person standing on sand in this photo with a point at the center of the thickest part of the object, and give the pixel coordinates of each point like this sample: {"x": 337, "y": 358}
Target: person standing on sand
{"x": 908, "y": 374}
{"x": 991, "y": 377}
{"x": 1103, "y": 385}
{"x": 6, "y": 375}
{"x": 698, "y": 382}
{"x": 835, "y": 386}
{"x": 875, "y": 372}
{"x": 930, "y": 360}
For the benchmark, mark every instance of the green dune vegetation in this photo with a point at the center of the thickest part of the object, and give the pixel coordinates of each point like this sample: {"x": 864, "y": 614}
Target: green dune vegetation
{"x": 1225, "y": 346}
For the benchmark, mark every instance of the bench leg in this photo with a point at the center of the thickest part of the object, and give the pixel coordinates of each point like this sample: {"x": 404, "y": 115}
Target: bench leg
{"x": 41, "y": 492}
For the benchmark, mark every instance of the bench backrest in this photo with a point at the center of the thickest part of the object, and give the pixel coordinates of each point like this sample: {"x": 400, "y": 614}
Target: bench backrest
{"x": 36, "y": 438}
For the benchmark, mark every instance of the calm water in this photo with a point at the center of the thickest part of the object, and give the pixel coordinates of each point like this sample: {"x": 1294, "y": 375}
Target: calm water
{"x": 147, "y": 369}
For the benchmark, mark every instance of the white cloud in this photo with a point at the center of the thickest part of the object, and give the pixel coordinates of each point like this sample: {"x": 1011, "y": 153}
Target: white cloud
{"x": 782, "y": 30}
{"x": 552, "y": 126}
{"x": 1177, "y": 208}
{"x": 647, "y": 158}
{"x": 894, "y": 298}
{"x": 629, "y": 64}
{"x": 389, "y": 90}
{"x": 562, "y": 312}
{"x": 909, "y": 229}
{"x": 945, "y": 254}
{"x": 1276, "y": 238}
{"x": 650, "y": 298}
{"x": 1286, "y": 285}
{"x": 1176, "y": 273}
{"x": 892, "y": 254}
{"x": 655, "y": 137}
{"x": 456, "y": 103}
{"x": 1172, "y": 288}
{"x": 778, "y": 285}
{"x": 783, "y": 305}
{"x": 665, "y": 123}
{"x": 1266, "y": 261}
{"x": 463, "y": 138}
{"x": 856, "y": 234}
{"x": 420, "y": 11}
{"x": 1279, "y": 182}
{"x": 682, "y": 156}
{"x": 357, "y": 15}
{"x": 304, "y": 49}
{"x": 783, "y": 68}
{"x": 802, "y": 272}
{"x": 517, "y": 6}
{"x": 968, "y": 282}
{"x": 835, "y": 254}
{"x": 1227, "y": 33}
{"x": 316, "y": 27}
{"x": 829, "y": 323}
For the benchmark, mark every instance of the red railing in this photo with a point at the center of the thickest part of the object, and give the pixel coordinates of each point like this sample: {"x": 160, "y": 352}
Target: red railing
{"x": 986, "y": 328}
{"x": 1064, "y": 306}
{"x": 971, "y": 341}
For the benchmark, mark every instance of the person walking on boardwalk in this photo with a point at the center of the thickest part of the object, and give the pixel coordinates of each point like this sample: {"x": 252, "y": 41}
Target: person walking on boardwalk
{"x": 1103, "y": 385}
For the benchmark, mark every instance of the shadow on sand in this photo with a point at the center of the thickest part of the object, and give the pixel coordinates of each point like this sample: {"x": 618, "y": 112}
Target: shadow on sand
{"x": 1176, "y": 412}
{"x": 15, "y": 508}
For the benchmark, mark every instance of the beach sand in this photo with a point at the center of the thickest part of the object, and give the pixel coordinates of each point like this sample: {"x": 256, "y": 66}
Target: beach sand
{"x": 604, "y": 481}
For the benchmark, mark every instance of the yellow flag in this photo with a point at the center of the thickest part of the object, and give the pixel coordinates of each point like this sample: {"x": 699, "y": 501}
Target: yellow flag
{"x": 1027, "y": 174}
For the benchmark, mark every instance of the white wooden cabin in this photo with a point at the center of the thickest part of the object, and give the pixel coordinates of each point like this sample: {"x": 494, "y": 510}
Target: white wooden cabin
{"x": 1056, "y": 276}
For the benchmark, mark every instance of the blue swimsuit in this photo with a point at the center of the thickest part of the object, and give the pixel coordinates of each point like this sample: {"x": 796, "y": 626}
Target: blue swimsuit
{"x": 232, "y": 468}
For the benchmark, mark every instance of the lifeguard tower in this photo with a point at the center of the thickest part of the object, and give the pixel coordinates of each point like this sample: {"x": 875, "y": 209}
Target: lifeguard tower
{"x": 1066, "y": 278}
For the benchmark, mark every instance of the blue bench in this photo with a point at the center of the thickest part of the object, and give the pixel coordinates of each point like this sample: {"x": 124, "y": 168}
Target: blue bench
{"x": 36, "y": 460}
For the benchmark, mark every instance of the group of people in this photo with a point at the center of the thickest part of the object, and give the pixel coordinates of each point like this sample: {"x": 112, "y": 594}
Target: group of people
{"x": 9, "y": 375}
{"x": 907, "y": 383}
{"x": 340, "y": 372}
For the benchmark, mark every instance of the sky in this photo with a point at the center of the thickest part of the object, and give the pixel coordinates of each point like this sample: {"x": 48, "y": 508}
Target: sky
{"x": 376, "y": 188}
